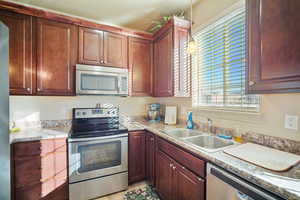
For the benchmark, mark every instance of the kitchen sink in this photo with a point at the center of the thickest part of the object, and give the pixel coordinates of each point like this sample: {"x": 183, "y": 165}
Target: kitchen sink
{"x": 182, "y": 133}
{"x": 208, "y": 142}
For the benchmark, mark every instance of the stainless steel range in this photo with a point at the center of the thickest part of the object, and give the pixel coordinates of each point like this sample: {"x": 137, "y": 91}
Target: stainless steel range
{"x": 98, "y": 146}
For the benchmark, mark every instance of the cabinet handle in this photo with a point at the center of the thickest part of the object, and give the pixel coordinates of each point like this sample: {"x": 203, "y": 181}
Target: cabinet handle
{"x": 174, "y": 167}
{"x": 28, "y": 89}
{"x": 251, "y": 83}
{"x": 102, "y": 61}
{"x": 183, "y": 167}
{"x": 38, "y": 89}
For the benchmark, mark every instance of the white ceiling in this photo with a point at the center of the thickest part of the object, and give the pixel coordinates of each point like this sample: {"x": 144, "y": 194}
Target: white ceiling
{"x": 134, "y": 14}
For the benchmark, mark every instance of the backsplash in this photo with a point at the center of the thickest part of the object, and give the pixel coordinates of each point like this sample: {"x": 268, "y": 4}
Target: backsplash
{"x": 269, "y": 121}
{"x": 31, "y": 111}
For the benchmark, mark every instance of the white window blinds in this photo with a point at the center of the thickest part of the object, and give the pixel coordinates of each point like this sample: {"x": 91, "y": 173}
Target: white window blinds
{"x": 219, "y": 66}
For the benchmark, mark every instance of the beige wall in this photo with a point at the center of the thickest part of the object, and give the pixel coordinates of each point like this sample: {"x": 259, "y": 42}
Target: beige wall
{"x": 270, "y": 120}
{"x": 56, "y": 108}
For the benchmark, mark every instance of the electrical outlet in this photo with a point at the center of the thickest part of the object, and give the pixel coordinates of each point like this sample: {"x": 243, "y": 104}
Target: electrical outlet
{"x": 291, "y": 122}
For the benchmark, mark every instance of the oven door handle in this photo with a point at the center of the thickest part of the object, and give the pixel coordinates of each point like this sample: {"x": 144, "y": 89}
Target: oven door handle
{"x": 92, "y": 139}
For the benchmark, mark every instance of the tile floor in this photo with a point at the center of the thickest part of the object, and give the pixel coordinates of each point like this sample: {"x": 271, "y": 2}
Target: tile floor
{"x": 120, "y": 195}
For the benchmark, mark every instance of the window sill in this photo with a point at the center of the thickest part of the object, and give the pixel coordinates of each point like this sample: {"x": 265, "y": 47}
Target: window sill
{"x": 220, "y": 110}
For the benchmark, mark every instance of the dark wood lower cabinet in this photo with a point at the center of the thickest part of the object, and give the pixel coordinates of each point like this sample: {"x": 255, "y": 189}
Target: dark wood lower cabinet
{"x": 170, "y": 169}
{"x": 150, "y": 158}
{"x": 40, "y": 170}
{"x": 175, "y": 182}
{"x": 164, "y": 176}
{"x": 188, "y": 186}
{"x": 137, "y": 156}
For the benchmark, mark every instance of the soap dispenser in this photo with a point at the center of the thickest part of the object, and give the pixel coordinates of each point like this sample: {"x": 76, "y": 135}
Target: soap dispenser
{"x": 190, "y": 123}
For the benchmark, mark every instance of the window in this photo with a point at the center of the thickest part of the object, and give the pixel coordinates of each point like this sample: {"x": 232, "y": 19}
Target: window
{"x": 219, "y": 66}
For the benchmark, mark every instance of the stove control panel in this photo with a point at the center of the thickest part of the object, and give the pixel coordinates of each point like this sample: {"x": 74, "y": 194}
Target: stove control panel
{"x": 84, "y": 113}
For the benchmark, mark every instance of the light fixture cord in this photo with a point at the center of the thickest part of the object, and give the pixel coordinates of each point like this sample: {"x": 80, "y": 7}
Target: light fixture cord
{"x": 191, "y": 15}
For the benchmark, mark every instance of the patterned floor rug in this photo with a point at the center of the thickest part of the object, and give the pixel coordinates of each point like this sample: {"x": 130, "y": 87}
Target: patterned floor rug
{"x": 146, "y": 193}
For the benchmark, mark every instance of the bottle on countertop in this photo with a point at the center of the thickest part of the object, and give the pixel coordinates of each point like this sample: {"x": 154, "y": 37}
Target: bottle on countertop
{"x": 190, "y": 123}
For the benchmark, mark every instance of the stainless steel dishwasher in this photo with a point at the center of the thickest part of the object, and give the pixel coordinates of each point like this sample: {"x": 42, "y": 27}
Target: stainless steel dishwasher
{"x": 222, "y": 185}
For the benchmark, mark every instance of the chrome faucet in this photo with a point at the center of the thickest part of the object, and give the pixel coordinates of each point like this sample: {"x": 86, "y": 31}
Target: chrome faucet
{"x": 210, "y": 124}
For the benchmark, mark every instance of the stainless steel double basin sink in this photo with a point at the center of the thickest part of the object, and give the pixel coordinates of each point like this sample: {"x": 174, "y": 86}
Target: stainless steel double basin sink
{"x": 198, "y": 139}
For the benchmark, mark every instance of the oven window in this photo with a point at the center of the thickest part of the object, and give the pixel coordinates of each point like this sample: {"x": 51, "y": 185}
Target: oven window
{"x": 99, "y": 156}
{"x": 99, "y": 82}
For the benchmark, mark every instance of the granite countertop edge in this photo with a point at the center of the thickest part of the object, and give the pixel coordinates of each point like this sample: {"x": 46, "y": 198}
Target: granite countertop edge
{"x": 247, "y": 171}
{"x": 241, "y": 168}
{"x": 34, "y": 134}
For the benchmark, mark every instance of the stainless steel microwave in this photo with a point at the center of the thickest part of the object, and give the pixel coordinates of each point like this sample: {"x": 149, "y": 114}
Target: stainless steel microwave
{"x": 98, "y": 80}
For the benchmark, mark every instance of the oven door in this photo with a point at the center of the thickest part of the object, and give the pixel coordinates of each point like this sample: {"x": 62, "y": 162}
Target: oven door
{"x": 96, "y": 157}
{"x": 93, "y": 82}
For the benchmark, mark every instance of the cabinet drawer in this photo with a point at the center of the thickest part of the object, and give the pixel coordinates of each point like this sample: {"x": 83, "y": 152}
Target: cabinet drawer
{"x": 186, "y": 159}
{"x": 36, "y": 148}
{"x": 36, "y": 192}
{"x": 60, "y": 145}
{"x": 33, "y": 170}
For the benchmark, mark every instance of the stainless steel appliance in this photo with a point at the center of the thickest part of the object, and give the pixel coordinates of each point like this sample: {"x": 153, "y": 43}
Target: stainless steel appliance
{"x": 98, "y": 153}
{"x": 222, "y": 185}
{"x": 154, "y": 112}
{"x": 4, "y": 116}
{"x": 97, "y": 80}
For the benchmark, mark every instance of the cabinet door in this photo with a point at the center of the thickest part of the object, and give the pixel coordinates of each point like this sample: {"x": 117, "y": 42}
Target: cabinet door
{"x": 21, "y": 52}
{"x": 56, "y": 57}
{"x": 137, "y": 154}
{"x": 45, "y": 164}
{"x": 182, "y": 70}
{"x": 115, "y": 50}
{"x": 140, "y": 67}
{"x": 187, "y": 186}
{"x": 164, "y": 173}
{"x": 163, "y": 62}
{"x": 274, "y": 46}
{"x": 150, "y": 158}
{"x": 90, "y": 46}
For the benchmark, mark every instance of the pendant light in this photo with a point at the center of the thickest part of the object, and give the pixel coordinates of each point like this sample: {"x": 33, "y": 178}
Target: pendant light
{"x": 192, "y": 44}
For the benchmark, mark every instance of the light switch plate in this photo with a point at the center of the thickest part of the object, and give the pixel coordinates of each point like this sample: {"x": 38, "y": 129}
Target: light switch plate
{"x": 291, "y": 122}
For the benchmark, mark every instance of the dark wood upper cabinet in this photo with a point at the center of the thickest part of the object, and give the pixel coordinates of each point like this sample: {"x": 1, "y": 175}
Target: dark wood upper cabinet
{"x": 171, "y": 64}
{"x": 137, "y": 156}
{"x": 182, "y": 69}
{"x": 140, "y": 67}
{"x": 115, "y": 50}
{"x": 274, "y": 46}
{"x": 90, "y": 46}
{"x": 150, "y": 158}
{"x": 21, "y": 52}
{"x": 97, "y": 47}
{"x": 56, "y": 57}
{"x": 163, "y": 65}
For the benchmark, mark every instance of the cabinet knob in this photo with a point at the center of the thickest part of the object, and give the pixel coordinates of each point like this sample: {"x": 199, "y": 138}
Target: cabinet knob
{"x": 174, "y": 167}
{"x": 28, "y": 89}
{"x": 101, "y": 61}
{"x": 251, "y": 83}
{"x": 171, "y": 165}
{"x": 38, "y": 89}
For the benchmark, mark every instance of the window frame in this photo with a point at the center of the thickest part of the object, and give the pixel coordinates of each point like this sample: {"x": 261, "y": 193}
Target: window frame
{"x": 195, "y": 81}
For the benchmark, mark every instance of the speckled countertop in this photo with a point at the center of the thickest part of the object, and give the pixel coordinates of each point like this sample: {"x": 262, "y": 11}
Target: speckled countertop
{"x": 285, "y": 185}
{"x": 33, "y": 134}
